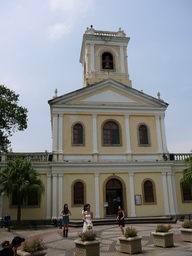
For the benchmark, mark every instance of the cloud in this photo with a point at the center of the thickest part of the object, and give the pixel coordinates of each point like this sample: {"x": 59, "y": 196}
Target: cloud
{"x": 59, "y": 30}
{"x": 70, "y": 11}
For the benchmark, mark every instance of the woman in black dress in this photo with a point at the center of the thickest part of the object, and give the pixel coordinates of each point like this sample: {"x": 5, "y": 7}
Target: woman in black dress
{"x": 120, "y": 217}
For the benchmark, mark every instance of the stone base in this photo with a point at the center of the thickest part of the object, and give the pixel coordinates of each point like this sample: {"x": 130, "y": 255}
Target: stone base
{"x": 186, "y": 234}
{"x": 87, "y": 248}
{"x": 23, "y": 253}
{"x": 130, "y": 245}
{"x": 163, "y": 239}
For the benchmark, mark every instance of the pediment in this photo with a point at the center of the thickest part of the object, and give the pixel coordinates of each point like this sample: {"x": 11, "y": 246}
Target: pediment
{"x": 108, "y": 92}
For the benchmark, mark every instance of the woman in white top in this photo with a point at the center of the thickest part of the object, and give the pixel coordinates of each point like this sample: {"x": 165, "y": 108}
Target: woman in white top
{"x": 88, "y": 219}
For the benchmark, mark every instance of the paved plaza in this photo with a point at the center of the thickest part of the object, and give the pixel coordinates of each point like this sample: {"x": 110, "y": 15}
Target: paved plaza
{"x": 108, "y": 237}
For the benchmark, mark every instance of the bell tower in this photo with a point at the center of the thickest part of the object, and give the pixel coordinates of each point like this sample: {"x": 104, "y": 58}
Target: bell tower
{"x": 104, "y": 56}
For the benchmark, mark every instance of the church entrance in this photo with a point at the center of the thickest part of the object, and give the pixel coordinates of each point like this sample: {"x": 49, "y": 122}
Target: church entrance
{"x": 114, "y": 196}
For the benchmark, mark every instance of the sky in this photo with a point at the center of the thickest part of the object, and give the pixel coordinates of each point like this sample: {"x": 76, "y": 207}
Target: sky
{"x": 40, "y": 43}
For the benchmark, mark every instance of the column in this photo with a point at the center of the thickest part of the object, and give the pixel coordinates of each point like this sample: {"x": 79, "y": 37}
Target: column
{"x": 159, "y": 134}
{"x": 165, "y": 193}
{"x": 61, "y": 136}
{"x": 122, "y": 60}
{"x": 129, "y": 152}
{"x": 60, "y": 196}
{"x": 164, "y": 134}
{"x": 54, "y": 199}
{"x": 174, "y": 193}
{"x": 48, "y": 197}
{"x": 95, "y": 151}
{"x": 171, "y": 199}
{"x": 92, "y": 59}
{"x": 132, "y": 194}
{"x": 97, "y": 195}
{"x": 54, "y": 136}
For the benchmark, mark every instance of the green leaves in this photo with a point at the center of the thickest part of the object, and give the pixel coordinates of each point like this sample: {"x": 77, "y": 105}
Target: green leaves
{"x": 12, "y": 116}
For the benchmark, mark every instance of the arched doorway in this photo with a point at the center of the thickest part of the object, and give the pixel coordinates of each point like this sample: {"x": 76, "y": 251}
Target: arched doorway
{"x": 114, "y": 196}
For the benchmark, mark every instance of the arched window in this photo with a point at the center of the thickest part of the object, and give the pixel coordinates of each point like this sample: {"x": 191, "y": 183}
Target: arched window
{"x": 111, "y": 133}
{"x": 78, "y": 193}
{"x": 78, "y": 134}
{"x": 187, "y": 194}
{"x": 143, "y": 135}
{"x": 148, "y": 192}
{"x": 107, "y": 61}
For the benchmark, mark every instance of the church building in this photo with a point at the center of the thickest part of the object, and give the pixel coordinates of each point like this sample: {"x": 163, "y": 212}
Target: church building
{"x": 109, "y": 144}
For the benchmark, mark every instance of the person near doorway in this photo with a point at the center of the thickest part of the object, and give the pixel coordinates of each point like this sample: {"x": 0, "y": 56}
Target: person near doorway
{"x": 65, "y": 213}
{"x": 121, "y": 217}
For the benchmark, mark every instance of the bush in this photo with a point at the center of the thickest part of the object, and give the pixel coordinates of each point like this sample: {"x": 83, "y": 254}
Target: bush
{"x": 34, "y": 246}
{"x": 87, "y": 235}
{"x": 162, "y": 228}
{"x": 130, "y": 232}
{"x": 187, "y": 224}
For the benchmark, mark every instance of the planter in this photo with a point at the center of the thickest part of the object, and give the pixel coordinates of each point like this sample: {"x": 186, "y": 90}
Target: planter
{"x": 186, "y": 234}
{"x": 87, "y": 248}
{"x": 130, "y": 245}
{"x": 163, "y": 239}
{"x": 23, "y": 253}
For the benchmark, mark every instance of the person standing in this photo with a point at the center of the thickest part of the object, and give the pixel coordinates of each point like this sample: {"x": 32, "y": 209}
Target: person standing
{"x": 65, "y": 213}
{"x": 120, "y": 217}
{"x": 88, "y": 219}
{"x": 82, "y": 213}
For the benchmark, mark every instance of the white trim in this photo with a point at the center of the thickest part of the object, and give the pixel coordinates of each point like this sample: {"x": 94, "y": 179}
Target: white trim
{"x": 127, "y": 134}
{"x": 54, "y": 134}
{"x": 122, "y": 60}
{"x": 170, "y": 187}
{"x": 159, "y": 134}
{"x": 54, "y": 199}
{"x": 97, "y": 195}
{"x": 131, "y": 184}
{"x": 60, "y": 189}
{"x": 165, "y": 193}
{"x": 174, "y": 193}
{"x": 164, "y": 134}
{"x": 145, "y": 157}
{"x": 95, "y": 150}
{"x": 92, "y": 58}
{"x": 107, "y": 48}
{"x": 48, "y": 217}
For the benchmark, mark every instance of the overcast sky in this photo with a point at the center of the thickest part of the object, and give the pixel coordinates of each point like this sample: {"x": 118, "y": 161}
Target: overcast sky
{"x": 40, "y": 42}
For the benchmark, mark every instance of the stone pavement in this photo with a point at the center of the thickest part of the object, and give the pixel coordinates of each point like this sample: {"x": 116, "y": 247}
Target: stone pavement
{"x": 107, "y": 235}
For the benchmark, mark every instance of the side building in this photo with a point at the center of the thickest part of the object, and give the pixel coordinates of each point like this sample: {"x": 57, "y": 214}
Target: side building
{"x": 109, "y": 144}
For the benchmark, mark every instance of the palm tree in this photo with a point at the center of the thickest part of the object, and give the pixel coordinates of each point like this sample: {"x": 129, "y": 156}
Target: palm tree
{"x": 20, "y": 178}
{"x": 186, "y": 181}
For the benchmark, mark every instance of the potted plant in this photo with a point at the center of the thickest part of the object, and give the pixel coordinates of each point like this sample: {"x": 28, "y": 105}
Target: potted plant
{"x": 186, "y": 231}
{"x": 165, "y": 158}
{"x": 162, "y": 237}
{"x": 130, "y": 242}
{"x": 87, "y": 245}
{"x": 34, "y": 247}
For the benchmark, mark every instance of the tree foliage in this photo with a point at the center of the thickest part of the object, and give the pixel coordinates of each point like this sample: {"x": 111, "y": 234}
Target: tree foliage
{"x": 12, "y": 116}
{"x": 186, "y": 181}
{"x": 21, "y": 178}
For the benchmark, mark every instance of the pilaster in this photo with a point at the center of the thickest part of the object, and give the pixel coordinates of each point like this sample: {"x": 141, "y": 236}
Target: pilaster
{"x": 131, "y": 184}
{"x": 97, "y": 195}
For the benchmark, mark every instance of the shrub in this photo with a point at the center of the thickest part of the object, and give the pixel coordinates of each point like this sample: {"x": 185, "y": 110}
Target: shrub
{"x": 87, "y": 235}
{"x": 130, "y": 232}
{"x": 187, "y": 224}
{"x": 162, "y": 228}
{"x": 34, "y": 245}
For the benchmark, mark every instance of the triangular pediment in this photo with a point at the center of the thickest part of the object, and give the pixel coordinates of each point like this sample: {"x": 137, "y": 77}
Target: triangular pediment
{"x": 108, "y": 92}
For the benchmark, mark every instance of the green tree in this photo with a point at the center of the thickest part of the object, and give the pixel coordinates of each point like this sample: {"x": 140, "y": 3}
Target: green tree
{"x": 12, "y": 116}
{"x": 21, "y": 178}
{"x": 186, "y": 181}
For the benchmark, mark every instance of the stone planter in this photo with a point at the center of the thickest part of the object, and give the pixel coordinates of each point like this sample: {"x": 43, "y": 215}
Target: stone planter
{"x": 23, "y": 253}
{"x": 163, "y": 239}
{"x": 186, "y": 234}
{"x": 130, "y": 245}
{"x": 87, "y": 248}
